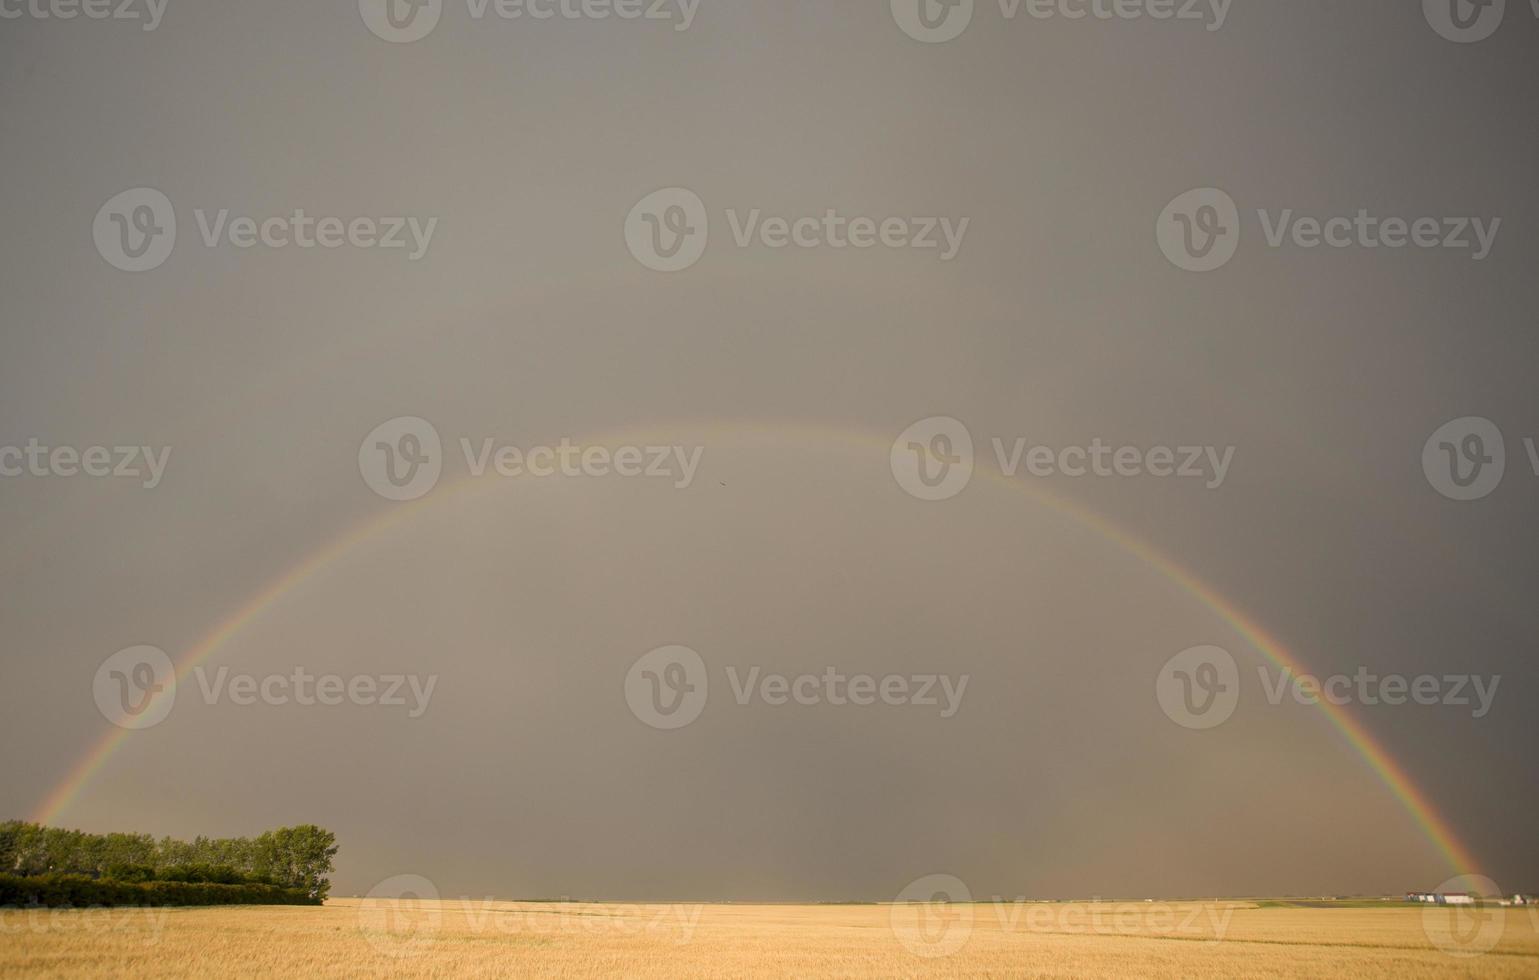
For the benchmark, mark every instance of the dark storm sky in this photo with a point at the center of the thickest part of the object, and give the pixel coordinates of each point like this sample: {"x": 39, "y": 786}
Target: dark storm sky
{"x": 794, "y": 550}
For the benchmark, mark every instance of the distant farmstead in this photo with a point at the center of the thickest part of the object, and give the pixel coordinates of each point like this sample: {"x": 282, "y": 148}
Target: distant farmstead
{"x": 1441, "y": 898}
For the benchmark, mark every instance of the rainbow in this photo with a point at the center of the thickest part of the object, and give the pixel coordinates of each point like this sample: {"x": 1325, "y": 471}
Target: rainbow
{"x": 1436, "y": 828}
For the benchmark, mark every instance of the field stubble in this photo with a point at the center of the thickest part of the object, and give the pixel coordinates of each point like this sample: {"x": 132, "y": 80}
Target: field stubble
{"x": 358, "y": 937}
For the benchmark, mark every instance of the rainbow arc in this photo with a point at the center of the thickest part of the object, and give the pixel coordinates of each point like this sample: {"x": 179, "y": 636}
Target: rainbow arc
{"x": 1436, "y": 828}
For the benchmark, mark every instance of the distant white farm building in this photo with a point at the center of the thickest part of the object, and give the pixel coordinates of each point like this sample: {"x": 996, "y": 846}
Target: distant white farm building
{"x": 1441, "y": 898}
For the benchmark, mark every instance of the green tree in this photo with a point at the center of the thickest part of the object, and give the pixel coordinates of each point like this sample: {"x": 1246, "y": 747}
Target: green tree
{"x": 298, "y": 857}
{"x": 292, "y": 857}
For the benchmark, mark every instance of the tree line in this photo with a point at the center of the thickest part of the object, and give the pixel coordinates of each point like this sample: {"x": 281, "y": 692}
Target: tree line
{"x": 287, "y": 865}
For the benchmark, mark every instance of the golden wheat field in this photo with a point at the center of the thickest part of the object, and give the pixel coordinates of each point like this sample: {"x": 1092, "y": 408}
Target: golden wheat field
{"x": 356, "y": 937}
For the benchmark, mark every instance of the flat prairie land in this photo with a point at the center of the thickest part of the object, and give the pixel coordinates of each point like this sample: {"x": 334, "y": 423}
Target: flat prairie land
{"x": 364, "y": 938}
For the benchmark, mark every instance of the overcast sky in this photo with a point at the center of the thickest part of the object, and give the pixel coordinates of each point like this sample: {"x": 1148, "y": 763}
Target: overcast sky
{"x": 796, "y": 546}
